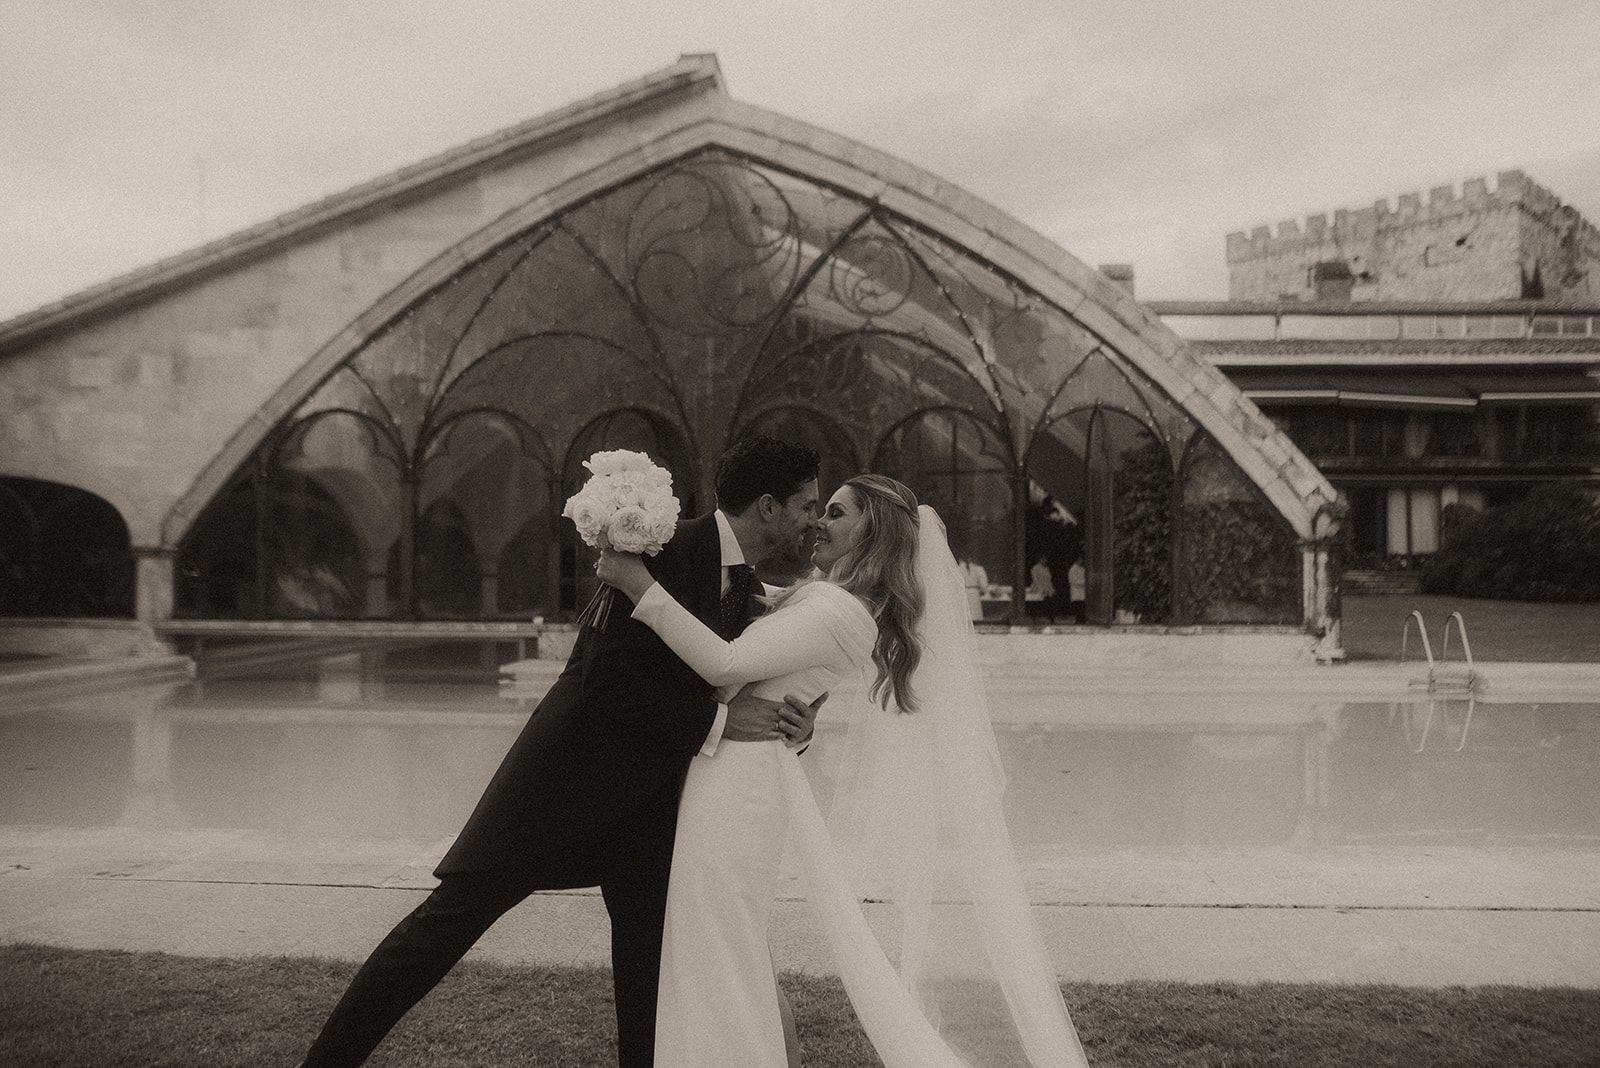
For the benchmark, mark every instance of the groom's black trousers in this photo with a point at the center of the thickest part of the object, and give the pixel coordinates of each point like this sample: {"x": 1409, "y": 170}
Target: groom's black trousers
{"x": 427, "y": 944}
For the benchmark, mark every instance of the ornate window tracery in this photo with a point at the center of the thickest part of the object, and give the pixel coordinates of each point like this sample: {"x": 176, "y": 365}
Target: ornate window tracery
{"x": 713, "y": 296}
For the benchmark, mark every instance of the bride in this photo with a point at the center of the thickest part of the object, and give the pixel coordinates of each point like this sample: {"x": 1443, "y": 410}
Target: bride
{"x": 958, "y": 975}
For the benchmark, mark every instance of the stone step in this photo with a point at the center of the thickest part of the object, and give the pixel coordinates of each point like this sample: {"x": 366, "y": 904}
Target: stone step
{"x": 1381, "y": 582}
{"x": 55, "y": 682}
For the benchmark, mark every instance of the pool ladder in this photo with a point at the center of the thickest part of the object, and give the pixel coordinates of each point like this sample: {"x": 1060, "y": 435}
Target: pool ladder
{"x": 1445, "y": 680}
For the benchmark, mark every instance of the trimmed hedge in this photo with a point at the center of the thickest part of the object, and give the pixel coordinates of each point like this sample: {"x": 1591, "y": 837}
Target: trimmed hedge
{"x": 1545, "y": 547}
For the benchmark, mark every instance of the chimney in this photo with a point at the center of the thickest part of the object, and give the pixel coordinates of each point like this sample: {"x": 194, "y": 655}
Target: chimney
{"x": 1120, "y": 273}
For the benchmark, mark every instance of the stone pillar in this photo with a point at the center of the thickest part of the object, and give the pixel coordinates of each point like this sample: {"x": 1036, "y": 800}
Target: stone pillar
{"x": 1324, "y": 565}
{"x": 1311, "y": 584}
{"x": 154, "y": 590}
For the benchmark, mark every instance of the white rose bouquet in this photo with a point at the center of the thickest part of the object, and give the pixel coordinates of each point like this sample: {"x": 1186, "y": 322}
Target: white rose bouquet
{"x": 626, "y": 505}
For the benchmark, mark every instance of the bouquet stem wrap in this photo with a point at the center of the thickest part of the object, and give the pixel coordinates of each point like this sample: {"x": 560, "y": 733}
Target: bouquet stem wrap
{"x": 598, "y": 610}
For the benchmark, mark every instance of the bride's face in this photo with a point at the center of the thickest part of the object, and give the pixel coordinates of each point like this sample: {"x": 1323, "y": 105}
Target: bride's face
{"x": 837, "y": 529}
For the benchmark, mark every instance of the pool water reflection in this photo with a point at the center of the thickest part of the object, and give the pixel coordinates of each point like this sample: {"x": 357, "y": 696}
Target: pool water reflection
{"x": 401, "y": 745}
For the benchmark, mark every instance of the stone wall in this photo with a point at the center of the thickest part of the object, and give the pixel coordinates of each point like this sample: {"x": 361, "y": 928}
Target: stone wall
{"x": 131, "y": 406}
{"x": 1468, "y": 245}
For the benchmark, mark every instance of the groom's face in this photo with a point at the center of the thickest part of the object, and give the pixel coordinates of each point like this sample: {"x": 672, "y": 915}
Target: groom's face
{"x": 791, "y": 526}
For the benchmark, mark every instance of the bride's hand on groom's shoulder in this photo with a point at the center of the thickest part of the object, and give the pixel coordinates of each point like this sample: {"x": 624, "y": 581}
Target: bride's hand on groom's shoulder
{"x": 625, "y": 571}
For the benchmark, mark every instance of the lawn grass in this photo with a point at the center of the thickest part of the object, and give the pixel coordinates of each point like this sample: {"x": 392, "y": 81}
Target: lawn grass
{"x": 1499, "y": 630}
{"x": 83, "y": 1007}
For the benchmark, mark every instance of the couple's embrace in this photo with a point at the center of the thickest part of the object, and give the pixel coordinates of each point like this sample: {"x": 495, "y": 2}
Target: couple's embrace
{"x": 662, "y": 766}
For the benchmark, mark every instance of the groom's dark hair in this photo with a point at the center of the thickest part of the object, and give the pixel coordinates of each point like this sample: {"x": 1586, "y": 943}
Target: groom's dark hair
{"x": 758, "y": 465}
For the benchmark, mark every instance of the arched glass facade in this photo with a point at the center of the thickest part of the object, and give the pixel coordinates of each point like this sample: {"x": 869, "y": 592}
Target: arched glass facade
{"x": 707, "y": 299}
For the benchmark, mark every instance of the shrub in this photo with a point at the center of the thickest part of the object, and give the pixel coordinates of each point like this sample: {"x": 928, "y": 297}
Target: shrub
{"x": 1545, "y": 547}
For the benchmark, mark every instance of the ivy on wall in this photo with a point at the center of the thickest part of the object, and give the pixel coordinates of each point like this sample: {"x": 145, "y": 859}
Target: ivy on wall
{"x": 1238, "y": 559}
{"x": 1143, "y": 533}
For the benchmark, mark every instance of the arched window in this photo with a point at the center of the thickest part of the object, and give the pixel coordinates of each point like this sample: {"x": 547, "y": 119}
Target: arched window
{"x": 21, "y": 552}
{"x": 449, "y": 580}
{"x": 959, "y": 467}
{"x": 64, "y": 552}
{"x": 525, "y": 587}
{"x": 314, "y": 558}
{"x": 484, "y": 486}
{"x": 1099, "y": 517}
{"x": 217, "y": 570}
{"x": 304, "y": 531}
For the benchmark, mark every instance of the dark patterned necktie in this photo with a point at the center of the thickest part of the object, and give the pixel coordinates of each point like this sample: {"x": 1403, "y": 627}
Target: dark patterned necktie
{"x": 734, "y": 611}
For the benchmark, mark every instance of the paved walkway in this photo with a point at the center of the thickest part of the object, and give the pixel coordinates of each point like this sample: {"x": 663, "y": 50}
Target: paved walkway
{"x": 1429, "y": 916}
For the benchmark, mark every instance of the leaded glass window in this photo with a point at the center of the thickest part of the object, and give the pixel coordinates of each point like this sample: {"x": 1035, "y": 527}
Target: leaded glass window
{"x": 673, "y": 313}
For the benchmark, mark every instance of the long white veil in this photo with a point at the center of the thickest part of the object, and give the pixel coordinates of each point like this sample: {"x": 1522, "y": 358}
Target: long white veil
{"x": 958, "y": 974}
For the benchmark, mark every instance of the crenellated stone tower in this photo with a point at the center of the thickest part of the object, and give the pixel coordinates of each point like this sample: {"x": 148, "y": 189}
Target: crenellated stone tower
{"x": 1515, "y": 242}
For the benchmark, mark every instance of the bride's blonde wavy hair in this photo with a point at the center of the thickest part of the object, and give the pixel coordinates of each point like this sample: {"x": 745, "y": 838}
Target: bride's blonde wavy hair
{"x": 880, "y": 568}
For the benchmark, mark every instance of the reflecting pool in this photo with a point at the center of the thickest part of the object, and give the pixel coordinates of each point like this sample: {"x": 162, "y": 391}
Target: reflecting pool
{"x": 399, "y": 743}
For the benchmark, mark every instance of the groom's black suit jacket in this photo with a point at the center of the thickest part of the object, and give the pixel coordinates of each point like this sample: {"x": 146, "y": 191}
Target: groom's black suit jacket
{"x": 608, "y": 746}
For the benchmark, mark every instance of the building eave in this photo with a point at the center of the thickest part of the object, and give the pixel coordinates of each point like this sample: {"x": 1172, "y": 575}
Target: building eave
{"x": 1442, "y": 352}
{"x": 1369, "y": 307}
{"x": 1226, "y": 358}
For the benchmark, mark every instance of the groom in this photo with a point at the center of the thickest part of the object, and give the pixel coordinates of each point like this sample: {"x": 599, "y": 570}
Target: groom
{"x": 588, "y": 794}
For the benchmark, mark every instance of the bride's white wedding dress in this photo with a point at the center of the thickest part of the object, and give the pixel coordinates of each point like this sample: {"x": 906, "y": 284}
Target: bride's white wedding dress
{"x": 917, "y": 810}
{"x": 718, "y": 1004}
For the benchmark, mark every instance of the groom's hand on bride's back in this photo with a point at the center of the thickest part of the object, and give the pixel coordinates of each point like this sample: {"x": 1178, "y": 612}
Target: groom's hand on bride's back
{"x": 799, "y": 720}
{"x": 755, "y": 719}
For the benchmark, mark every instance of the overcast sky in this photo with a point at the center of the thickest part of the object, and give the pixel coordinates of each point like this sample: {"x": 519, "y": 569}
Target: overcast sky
{"x": 1135, "y": 131}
